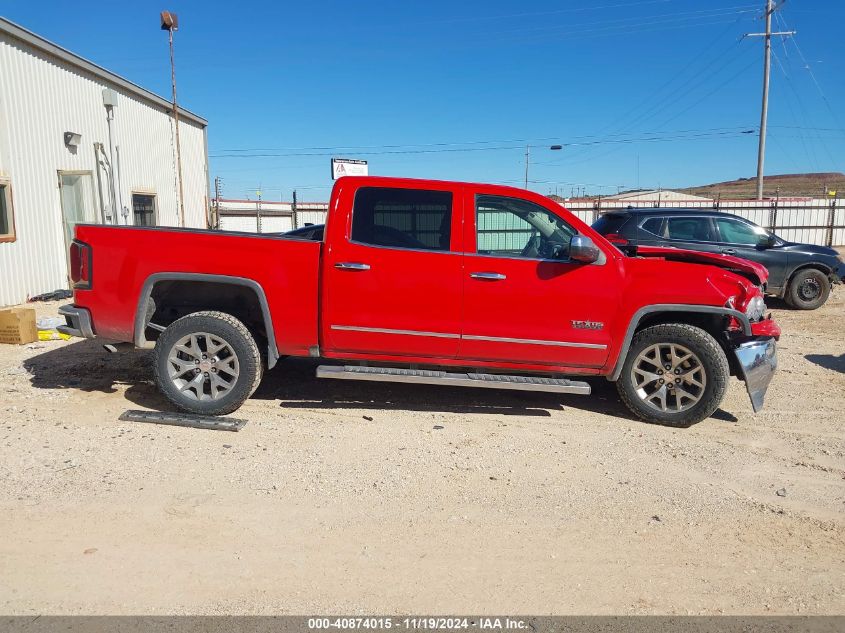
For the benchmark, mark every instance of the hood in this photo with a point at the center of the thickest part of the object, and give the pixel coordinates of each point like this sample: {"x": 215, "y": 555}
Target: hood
{"x": 757, "y": 273}
{"x": 809, "y": 249}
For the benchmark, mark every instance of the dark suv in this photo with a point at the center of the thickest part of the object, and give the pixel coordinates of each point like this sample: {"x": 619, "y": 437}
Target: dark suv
{"x": 802, "y": 274}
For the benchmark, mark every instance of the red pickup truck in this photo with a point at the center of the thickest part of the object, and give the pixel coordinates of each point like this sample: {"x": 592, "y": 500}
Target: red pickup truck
{"x": 429, "y": 282}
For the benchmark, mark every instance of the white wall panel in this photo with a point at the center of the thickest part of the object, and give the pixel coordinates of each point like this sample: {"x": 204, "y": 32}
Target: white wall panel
{"x": 41, "y": 98}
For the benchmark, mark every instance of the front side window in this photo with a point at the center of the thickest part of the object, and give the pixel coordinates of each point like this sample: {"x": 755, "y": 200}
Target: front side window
{"x": 510, "y": 227}
{"x": 7, "y": 224}
{"x": 689, "y": 229}
{"x": 144, "y": 209}
{"x": 738, "y": 232}
{"x": 402, "y": 218}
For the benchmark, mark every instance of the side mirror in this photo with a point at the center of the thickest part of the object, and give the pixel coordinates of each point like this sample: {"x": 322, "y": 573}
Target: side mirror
{"x": 582, "y": 249}
{"x": 768, "y": 240}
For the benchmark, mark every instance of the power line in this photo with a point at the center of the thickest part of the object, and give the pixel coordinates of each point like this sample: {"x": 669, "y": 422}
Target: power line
{"x": 538, "y": 13}
{"x": 478, "y": 149}
{"x": 545, "y": 139}
{"x": 808, "y": 149}
{"x": 812, "y": 74}
{"x": 678, "y": 93}
{"x": 615, "y": 23}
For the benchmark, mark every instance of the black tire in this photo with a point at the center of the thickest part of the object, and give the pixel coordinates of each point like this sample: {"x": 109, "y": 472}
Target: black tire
{"x": 223, "y": 327}
{"x": 712, "y": 360}
{"x": 808, "y": 289}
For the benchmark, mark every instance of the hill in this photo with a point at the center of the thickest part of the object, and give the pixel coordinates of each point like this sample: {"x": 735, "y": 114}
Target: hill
{"x": 786, "y": 185}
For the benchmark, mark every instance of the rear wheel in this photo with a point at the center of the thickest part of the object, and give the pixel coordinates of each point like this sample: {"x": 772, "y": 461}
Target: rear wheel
{"x": 808, "y": 290}
{"x": 675, "y": 374}
{"x": 207, "y": 363}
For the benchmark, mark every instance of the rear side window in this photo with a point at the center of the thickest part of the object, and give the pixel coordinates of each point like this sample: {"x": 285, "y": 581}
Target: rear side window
{"x": 402, "y": 218}
{"x": 690, "y": 229}
{"x": 611, "y": 223}
{"x": 653, "y": 226}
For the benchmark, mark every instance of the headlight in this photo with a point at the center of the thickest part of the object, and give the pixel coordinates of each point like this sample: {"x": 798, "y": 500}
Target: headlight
{"x": 755, "y": 308}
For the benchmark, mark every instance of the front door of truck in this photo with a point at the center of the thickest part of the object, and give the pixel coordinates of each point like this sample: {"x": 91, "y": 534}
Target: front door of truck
{"x": 392, "y": 272}
{"x": 524, "y": 300}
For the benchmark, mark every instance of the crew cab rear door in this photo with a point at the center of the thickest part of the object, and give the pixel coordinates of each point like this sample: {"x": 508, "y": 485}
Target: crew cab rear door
{"x": 524, "y": 300}
{"x": 392, "y": 271}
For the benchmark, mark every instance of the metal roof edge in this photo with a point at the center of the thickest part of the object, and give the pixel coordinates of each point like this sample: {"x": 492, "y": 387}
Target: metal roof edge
{"x": 20, "y": 33}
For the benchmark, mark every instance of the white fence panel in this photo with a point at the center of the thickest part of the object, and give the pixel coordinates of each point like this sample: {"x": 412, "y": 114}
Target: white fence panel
{"x": 796, "y": 220}
{"x": 276, "y": 223}
{"x": 245, "y": 223}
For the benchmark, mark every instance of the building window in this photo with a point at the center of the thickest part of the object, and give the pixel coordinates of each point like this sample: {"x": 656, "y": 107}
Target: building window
{"x": 7, "y": 215}
{"x": 144, "y": 209}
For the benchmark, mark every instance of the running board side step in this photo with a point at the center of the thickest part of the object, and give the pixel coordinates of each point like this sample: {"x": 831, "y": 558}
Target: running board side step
{"x": 450, "y": 379}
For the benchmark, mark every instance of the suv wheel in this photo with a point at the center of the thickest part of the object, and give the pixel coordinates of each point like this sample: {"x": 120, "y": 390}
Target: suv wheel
{"x": 207, "y": 363}
{"x": 674, "y": 374}
{"x": 808, "y": 290}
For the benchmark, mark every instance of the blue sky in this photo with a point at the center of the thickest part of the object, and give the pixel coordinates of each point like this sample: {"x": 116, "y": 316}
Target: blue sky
{"x": 640, "y": 92}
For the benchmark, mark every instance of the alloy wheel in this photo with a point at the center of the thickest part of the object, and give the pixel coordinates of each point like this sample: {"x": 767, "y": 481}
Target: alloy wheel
{"x": 668, "y": 377}
{"x": 203, "y": 366}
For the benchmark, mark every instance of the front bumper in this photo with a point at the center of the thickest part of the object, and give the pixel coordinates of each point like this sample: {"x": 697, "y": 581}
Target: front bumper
{"x": 837, "y": 275}
{"x": 757, "y": 360}
{"x": 78, "y": 322}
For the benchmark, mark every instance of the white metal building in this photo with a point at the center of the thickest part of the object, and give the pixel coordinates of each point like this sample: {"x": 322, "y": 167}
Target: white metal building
{"x": 652, "y": 195}
{"x": 265, "y": 216}
{"x": 62, "y": 161}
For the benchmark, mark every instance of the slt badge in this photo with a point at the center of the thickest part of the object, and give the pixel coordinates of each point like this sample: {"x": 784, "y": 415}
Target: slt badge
{"x": 587, "y": 325}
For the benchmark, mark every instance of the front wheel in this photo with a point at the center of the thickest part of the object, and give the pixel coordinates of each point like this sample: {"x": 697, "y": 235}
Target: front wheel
{"x": 808, "y": 290}
{"x": 675, "y": 374}
{"x": 207, "y": 363}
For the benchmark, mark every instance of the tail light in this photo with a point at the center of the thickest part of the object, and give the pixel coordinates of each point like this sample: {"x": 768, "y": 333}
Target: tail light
{"x": 616, "y": 239}
{"x": 80, "y": 265}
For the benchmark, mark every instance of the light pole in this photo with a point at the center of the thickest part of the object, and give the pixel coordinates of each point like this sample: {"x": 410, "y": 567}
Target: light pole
{"x": 528, "y": 158}
{"x": 170, "y": 23}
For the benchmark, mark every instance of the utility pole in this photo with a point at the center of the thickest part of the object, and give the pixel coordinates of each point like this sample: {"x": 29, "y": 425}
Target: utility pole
{"x": 258, "y": 209}
{"x": 217, "y": 200}
{"x": 170, "y": 23}
{"x": 764, "y": 110}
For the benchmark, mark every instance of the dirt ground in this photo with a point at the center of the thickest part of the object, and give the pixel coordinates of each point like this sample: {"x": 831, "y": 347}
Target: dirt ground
{"x": 342, "y": 497}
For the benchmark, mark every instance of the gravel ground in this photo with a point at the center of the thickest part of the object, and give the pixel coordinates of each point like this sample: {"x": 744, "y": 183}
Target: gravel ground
{"x": 345, "y": 497}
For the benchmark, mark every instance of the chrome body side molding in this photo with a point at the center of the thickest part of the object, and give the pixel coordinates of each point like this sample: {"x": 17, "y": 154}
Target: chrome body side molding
{"x": 531, "y": 341}
{"x": 379, "y": 330}
{"x": 466, "y": 337}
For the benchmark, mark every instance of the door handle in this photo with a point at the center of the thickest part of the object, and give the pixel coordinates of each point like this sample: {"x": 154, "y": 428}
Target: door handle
{"x": 351, "y": 266}
{"x": 488, "y": 276}
{"x": 729, "y": 251}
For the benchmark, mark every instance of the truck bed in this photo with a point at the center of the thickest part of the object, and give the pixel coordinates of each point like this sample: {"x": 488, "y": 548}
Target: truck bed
{"x": 126, "y": 258}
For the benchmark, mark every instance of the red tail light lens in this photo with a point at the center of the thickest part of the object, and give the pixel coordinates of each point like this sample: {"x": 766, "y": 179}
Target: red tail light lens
{"x": 80, "y": 265}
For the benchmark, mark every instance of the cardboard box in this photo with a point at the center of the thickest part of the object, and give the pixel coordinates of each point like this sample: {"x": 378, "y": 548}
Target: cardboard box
{"x": 17, "y": 326}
